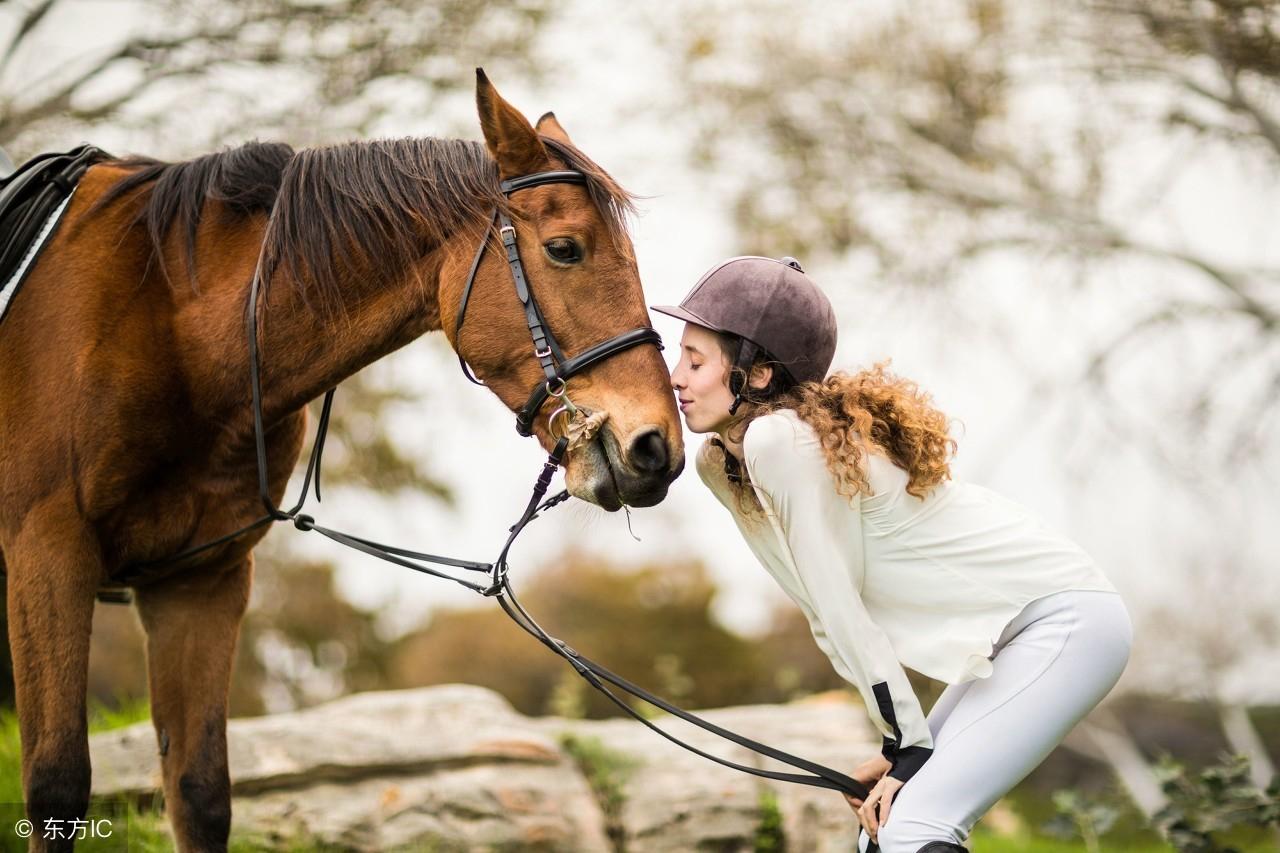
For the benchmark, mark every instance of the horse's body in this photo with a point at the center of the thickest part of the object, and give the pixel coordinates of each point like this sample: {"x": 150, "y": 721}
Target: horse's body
{"x": 125, "y": 421}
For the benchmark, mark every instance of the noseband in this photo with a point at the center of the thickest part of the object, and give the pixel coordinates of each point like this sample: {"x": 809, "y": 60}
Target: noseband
{"x": 546, "y": 349}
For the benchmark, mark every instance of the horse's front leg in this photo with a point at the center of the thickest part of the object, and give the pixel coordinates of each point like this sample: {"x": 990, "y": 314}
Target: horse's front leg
{"x": 54, "y": 567}
{"x": 192, "y": 621}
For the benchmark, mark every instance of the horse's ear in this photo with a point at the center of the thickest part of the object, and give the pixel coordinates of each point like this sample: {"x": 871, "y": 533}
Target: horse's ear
{"x": 511, "y": 139}
{"x": 549, "y": 126}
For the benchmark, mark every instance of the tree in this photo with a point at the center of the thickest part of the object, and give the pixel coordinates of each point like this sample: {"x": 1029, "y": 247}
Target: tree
{"x": 188, "y": 76}
{"x": 652, "y": 625}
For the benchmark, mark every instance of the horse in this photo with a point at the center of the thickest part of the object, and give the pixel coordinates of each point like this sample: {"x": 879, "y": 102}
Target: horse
{"x": 125, "y": 395}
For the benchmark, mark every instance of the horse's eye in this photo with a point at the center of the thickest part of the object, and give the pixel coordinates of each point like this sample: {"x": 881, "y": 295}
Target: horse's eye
{"x": 562, "y": 250}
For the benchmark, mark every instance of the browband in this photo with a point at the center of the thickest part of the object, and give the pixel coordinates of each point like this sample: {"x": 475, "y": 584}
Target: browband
{"x": 524, "y": 182}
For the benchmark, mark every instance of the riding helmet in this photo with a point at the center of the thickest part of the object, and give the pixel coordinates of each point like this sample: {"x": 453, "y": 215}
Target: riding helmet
{"x": 773, "y": 306}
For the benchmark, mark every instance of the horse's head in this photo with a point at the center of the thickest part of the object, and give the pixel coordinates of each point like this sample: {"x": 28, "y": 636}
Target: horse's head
{"x": 581, "y": 269}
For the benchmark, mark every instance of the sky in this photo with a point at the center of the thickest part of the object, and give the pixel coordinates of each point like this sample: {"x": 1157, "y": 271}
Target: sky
{"x": 1023, "y": 431}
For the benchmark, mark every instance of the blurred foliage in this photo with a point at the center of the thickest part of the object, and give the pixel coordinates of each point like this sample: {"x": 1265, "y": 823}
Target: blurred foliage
{"x": 359, "y": 451}
{"x": 303, "y": 643}
{"x": 652, "y": 625}
{"x": 190, "y": 76}
{"x": 1082, "y": 817}
{"x": 1215, "y": 800}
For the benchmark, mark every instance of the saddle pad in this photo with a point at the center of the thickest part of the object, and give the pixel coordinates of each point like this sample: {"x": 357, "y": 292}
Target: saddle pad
{"x": 9, "y": 288}
{"x": 32, "y": 201}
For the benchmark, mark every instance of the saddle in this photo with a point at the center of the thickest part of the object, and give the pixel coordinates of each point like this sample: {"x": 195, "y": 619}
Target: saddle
{"x": 28, "y": 199}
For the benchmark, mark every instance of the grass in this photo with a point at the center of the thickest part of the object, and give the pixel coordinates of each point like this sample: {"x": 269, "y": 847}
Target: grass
{"x": 770, "y": 837}
{"x": 145, "y": 832}
{"x": 606, "y": 772}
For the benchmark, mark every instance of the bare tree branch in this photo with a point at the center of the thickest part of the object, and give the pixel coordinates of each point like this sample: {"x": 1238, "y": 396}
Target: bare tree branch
{"x": 30, "y": 21}
{"x": 1267, "y": 126}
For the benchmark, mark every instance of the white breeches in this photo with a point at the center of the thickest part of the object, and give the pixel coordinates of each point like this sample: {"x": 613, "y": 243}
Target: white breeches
{"x": 1051, "y": 666}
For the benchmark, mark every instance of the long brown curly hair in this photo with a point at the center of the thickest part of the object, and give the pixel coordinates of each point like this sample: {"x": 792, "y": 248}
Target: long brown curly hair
{"x": 850, "y": 411}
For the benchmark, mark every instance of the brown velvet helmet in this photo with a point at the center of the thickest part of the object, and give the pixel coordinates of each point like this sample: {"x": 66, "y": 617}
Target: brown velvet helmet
{"x": 773, "y": 306}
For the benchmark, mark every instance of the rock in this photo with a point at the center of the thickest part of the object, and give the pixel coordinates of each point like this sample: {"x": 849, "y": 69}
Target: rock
{"x": 396, "y": 732}
{"x": 450, "y": 767}
{"x": 676, "y": 800}
{"x": 468, "y": 808}
{"x": 456, "y": 768}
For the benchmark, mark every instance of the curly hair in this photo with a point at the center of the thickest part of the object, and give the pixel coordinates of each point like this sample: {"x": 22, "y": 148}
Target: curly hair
{"x": 850, "y": 411}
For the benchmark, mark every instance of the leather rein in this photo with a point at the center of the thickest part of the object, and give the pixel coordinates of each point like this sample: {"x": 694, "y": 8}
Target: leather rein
{"x": 557, "y": 370}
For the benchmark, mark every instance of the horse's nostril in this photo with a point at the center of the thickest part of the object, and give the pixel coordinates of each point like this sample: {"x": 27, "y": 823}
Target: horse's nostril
{"x": 649, "y": 452}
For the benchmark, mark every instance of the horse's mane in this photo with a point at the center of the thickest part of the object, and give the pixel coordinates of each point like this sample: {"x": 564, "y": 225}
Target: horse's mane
{"x": 338, "y": 207}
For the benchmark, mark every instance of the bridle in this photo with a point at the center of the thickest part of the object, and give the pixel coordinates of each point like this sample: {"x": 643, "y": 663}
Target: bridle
{"x": 558, "y": 370}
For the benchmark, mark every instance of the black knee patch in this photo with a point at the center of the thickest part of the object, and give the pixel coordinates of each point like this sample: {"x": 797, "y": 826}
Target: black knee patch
{"x": 942, "y": 847}
{"x": 207, "y": 797}
{"x": 206, "y": 793}
{"x": 59, "y": 791}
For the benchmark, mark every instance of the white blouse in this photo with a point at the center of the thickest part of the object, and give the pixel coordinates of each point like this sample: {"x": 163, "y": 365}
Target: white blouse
{"x": 889, "y": 580}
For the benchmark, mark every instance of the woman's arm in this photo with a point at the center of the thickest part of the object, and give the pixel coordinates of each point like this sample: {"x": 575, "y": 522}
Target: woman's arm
{"x": 789, "y": 471}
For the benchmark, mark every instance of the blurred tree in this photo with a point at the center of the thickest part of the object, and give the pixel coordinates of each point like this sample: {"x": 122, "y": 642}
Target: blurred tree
{"x": 195, "y": 75}
{"x": 303, "y": 643}
{"x": 652, "y": 625}
{"x": 1043, "y": 139}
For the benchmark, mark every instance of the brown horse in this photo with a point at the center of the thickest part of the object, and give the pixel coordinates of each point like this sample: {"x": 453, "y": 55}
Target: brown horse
{"x": 125, "y": 412}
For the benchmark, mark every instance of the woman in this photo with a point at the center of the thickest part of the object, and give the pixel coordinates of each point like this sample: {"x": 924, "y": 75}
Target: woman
{"x": 842, "y": 487}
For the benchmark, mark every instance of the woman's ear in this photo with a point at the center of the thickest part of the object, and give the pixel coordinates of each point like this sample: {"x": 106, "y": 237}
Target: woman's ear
{"x": 761, "y": 376}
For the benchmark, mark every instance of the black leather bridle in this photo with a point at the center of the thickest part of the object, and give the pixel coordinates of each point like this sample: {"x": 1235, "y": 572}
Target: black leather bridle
{"x": 546, "y": 348}
{"x": 558, "y": 371}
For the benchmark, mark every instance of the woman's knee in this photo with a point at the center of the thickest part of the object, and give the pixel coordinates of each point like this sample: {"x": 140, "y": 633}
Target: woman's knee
{"x": 910, "y": 835}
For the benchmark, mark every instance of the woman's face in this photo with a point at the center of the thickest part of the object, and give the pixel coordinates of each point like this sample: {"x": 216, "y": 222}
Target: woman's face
{"x": 700, "y": 380}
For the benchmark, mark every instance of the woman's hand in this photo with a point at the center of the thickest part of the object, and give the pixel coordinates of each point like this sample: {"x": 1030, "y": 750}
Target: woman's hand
{"x": 874, "y": 812}
{"x": 868, "y": 773}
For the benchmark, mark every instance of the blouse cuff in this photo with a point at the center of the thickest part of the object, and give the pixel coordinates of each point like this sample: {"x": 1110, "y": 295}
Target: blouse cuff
{"x": 907, "y": 761}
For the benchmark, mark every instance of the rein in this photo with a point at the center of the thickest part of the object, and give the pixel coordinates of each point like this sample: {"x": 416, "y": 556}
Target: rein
{"x": 557, "y": 370}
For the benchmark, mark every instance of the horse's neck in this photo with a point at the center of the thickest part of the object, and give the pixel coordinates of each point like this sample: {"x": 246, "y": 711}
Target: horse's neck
{"x": 304, "y": 351}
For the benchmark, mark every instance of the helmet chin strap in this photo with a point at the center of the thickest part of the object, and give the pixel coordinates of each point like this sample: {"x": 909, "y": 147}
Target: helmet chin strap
{"x": 740, "y": 379}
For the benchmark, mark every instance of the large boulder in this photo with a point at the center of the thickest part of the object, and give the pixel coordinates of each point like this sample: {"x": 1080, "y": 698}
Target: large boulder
{"x": 456, "y": 768}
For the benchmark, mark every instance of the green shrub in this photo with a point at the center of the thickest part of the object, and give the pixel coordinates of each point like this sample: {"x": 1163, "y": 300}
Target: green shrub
{"x": 1215, "y": 801}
